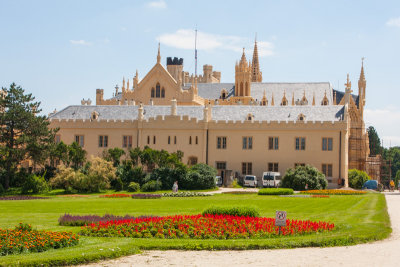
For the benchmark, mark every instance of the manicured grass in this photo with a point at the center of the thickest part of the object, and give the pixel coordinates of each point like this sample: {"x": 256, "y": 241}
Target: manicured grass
{"x": 357, "y": 219}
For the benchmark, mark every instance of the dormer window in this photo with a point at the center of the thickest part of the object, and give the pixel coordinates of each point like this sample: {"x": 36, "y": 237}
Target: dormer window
{"x": 94, "y": 116}
{"x": 224, "y": 94}
{"x": 301, "y": 117}
{"x": 250, "y": 117}
{"x": 325, "y": 100}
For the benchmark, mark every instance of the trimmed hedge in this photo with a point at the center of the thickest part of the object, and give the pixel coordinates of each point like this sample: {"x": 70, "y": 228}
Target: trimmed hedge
{"x": 275, "y": 191}
{"x": 234, "y": 211}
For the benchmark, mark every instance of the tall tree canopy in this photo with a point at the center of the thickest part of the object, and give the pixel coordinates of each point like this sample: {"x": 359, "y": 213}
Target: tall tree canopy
{"x": 374, "y": 141}
{"x": 24, "y": 134}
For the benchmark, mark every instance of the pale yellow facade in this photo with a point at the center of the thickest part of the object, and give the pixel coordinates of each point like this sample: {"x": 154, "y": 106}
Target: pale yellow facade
{"x": 164, "y": 111}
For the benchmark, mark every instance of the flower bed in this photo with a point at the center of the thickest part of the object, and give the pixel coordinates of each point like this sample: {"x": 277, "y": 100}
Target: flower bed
{"x": 146, "y": 196}
{"x": 185, "y": 194}
{"x": 24, "y": 239}
{"x": 203, "y": 227}
{"x": 320, "y": 196}
{"x": 81, "y": 220}
{"x": 21, "y": 198}
{"x": 116, "y": 195}
{"x": 239, "y": 192}
{"x": 333, "y": 192}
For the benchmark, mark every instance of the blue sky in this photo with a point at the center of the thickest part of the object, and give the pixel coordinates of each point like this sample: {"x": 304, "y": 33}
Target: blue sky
{"x": 61, "y": 51}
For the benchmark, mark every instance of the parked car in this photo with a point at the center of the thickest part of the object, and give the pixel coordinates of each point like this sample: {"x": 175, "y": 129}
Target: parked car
{"x": 250, "y": 180}
{"x": 370, "y": 184}
{"x": 218, "y": 181}
{"x": 271, "y": 179}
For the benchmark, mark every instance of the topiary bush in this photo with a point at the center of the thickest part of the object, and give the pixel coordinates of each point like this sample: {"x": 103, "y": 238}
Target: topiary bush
{"x": 35, "y": 184}
{"x": 357, "y": 178}
{"x": 151, "y": 186}
{"x": 275, "y": 191}
{"x": 300, "y": 176}
{"x": 133, "y": 187}
{"x": 233, "y": 211}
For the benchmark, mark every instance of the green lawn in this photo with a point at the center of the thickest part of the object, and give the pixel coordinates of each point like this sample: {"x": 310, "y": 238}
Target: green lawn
{"x": 357, "y": 219}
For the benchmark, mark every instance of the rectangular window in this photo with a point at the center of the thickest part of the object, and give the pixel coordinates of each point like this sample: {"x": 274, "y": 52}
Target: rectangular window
{"x": 273, "y": 143}
{"x": 190, "y": 140}
{"x": 273, "y": 167}
{"x": 299, "y": 164}
{"x": 80, "y": 139}
{"x": 247, "y": 168}
{"x": 327, "y": 170}
{"x": 57, "y": 138}
{"x": 221, "y": 165}
{"x": 247, "y": 142}
{"x": 197, "y": 140}
{"x": 103, "y": 141}
{"x": 327, "y": 144}
{"x": 154, "y": 140}
{"x": 127, "y": 141}
{"x": 169, "y": 140}
{"x": 221, "y": 142}
{"x": 174, "y": 140}
{"x": 148, "y": 140}
{"x": 300, "y": 143}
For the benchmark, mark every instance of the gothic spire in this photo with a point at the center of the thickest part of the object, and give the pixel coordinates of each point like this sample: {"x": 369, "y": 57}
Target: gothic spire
{"x": 255, "y": 67}
{"x": 158, "y": 55}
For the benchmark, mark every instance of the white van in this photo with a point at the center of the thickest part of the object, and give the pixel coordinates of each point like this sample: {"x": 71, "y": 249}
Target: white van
{"x": 271, "y": 179}
{"x": 250, "y": 180}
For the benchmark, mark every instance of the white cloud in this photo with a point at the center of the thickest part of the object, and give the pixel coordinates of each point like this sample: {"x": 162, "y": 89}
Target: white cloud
{"x": 387, "y": 123}
{"x": 184, "y": 39}
{"x": 157, "y": 4}
{"x": 80, "y": 42}
{"x": 394, "y": 22}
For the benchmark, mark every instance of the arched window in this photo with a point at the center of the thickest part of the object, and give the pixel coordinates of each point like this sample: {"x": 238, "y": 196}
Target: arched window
{"x": 152, "y": 92}
{"x": 241, "y": 89}
{"x": 163, "y": 93}
{"x": 247, "y": 89}
{"x": 158, "y": 90}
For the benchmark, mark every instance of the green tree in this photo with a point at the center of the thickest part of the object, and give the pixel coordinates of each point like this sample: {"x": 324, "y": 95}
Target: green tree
{"x": 134, "y": 155}
{"x": 298, "y": 178}
{"x": 76, "y": 155}
{"x": 24, "y": 134}
{"x": 374, "y": 141}
{"x": 114, "y": 155}
{"x": 59, "y": 152}
{"x": 357, "y": 178}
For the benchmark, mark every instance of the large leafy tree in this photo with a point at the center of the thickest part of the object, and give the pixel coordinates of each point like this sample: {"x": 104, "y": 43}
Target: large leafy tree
{"x": 374, "y": 141}
{"x": 24, "y": 134}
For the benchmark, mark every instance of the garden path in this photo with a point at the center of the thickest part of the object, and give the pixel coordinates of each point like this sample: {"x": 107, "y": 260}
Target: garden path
{"x": 380, "y": 253}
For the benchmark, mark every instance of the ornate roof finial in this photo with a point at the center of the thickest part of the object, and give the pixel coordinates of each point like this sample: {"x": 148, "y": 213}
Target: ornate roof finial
{"x": 123, "y": 83}
{"x": 334, "y": 98}
{"x": 313, "y": 99}
{"x": 293, "y": 98}
{"x": 272, "y": 100}
{"x": 256, "y": 73}
{"x": 158, "y": 55}
{"x": 348, "y": 83}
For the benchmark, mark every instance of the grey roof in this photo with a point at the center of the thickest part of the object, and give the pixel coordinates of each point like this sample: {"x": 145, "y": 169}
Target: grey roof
{"x": 340, "y": 95}
{"x": 213, "y": 91}
{"x": 221, "y": 113}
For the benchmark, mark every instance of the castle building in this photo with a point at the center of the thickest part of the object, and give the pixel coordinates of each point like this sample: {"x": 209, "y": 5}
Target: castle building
{"x": 244, "y": 127}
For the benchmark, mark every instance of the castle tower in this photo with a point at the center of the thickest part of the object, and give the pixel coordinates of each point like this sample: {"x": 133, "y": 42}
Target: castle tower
{"x": 362, "y": 84}
{"x": 175, "y": 67}
{"x": 256, "y": 74}
{"x": 242, "y": 77}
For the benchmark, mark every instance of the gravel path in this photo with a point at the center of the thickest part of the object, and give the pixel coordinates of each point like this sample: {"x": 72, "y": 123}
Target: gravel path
{"x": 381, "y": 253}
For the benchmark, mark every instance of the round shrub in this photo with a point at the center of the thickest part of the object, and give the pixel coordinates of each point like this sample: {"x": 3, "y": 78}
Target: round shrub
{"x": 200, "y": 176}
{"x": 151, "y": 186}
{"x": 357, "y": 178}
{"x": 35, "y": 184}
{"x": 117, "y": 184}
{"x": 233, "y": 211}
{"x": 298, "y": 178}
{"x": 133, "y": 187}
{"x": 275, "y": 191}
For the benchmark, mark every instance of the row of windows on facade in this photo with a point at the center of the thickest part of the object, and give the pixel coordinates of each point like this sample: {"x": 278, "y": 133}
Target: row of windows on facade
{"x": 273, "y": 143}
{"x": 247, "y": 167}
{"x": 247, "y": 142}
